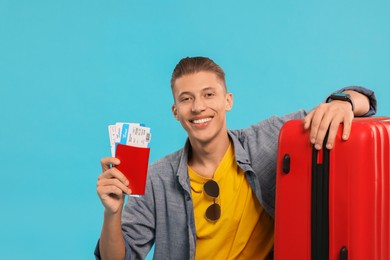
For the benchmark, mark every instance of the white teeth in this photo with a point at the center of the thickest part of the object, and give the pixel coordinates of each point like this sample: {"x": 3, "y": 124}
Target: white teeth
{"x": 201, "y": 121}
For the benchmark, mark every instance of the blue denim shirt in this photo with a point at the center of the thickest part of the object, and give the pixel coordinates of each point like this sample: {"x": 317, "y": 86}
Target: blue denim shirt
{"x": 164, "y": 216}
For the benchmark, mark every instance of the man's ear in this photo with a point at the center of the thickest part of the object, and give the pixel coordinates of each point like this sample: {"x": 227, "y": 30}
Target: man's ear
{"x": 229, "y": 101}
{"x": 174, "y": 111}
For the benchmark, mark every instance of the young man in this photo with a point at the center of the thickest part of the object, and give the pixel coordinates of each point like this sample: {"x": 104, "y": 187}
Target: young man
{"x": 213, "y": 199}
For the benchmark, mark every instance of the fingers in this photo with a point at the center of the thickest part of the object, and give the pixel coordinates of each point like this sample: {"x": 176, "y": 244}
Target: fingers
{"x": 347, "y": 126}
{"x": 112, "y": 185}
{"x": 318, "y": 124}
{"x": 107, "y": 192}
{"x": 113, "y": 177}
{"x": 328, "y": 116}
{"x": 333, "y": 129}
{"x": 319, "y": 131}
{"x": 107, "y": 162}
{"x": 346, "y": 121}
{"x": 307, "y": 120}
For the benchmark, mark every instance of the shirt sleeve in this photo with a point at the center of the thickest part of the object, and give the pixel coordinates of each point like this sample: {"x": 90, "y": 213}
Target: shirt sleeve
{"x": 97, "y": 251}
{"x": 368, "y": 93}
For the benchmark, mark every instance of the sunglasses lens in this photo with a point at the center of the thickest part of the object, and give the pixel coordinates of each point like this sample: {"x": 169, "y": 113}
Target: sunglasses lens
{"x": 211, "y": 188}
{"x": 213, "y": 212}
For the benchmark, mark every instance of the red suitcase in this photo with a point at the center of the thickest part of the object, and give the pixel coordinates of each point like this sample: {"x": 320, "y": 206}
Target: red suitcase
{"x": 334, "y": 204}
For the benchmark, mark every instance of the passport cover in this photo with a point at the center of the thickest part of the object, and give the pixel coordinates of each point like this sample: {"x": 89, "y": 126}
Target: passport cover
{"x": 134, "y": 165}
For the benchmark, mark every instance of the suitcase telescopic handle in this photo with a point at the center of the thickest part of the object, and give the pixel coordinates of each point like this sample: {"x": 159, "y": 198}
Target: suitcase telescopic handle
{"x": 320, "y": 204}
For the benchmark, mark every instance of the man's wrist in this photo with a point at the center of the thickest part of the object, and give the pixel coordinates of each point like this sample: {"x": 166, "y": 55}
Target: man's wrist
{"x": 342, "y": 97}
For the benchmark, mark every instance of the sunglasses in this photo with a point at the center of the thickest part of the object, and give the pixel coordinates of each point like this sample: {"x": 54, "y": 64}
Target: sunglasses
{"x": 213, "y": 212}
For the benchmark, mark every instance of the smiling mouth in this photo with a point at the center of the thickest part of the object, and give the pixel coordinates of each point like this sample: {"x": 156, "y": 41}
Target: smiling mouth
{"x": 200, "y": 121}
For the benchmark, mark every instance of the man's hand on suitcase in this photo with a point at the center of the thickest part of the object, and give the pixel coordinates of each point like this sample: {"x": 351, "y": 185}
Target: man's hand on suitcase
{"x": 329, "y": 116}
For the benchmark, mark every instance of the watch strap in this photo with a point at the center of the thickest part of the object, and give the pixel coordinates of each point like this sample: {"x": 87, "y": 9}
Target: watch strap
{"x": 342, "y": 97}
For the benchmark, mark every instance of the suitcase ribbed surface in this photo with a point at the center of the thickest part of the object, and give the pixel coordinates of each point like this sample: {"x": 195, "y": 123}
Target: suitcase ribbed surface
{"x": 358, "y": 218}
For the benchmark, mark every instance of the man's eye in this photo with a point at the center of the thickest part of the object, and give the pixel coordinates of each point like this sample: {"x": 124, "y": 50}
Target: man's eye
{"x": 183, "y": 99}
{"x": 210, "y": 94}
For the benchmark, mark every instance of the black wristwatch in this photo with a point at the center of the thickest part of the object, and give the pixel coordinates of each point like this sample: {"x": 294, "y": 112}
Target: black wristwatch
{"x": 342, "y": 97}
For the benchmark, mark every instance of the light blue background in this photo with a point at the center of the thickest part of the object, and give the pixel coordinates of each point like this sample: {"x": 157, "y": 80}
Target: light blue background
{"x": 70, "y": 68}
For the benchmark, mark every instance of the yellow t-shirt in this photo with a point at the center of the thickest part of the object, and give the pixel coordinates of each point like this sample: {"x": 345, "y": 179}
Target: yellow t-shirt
{"x": 244, "y": 230}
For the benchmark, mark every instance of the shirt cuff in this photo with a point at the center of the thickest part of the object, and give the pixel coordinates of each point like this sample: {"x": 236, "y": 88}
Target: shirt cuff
{"x": 368, "y": 93}
{"x": 97, "y": 251}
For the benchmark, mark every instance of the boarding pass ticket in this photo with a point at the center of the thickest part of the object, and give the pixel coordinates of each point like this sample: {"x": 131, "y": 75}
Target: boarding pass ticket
{"x": 132, "y": 134}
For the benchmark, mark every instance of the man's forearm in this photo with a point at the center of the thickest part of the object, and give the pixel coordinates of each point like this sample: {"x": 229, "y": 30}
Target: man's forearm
{"x": 111, "y": 244}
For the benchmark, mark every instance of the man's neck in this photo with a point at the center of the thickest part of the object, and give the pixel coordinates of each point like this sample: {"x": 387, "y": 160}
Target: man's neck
{"x": 205, "y": 157}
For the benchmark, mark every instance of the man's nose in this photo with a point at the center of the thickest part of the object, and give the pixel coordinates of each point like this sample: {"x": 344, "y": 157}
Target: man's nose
{"x": 198, "y": 105}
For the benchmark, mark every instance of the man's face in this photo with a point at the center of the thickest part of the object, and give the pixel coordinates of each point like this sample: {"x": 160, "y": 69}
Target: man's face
{"x": 200, "y": 105}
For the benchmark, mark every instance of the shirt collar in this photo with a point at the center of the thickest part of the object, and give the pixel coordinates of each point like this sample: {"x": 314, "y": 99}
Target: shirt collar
{"x": 239, "y": 152}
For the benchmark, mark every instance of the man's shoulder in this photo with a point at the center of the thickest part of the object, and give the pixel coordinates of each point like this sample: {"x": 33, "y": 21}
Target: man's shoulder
{"x": 263, "y": 131}
{"x": 168, "y": 162}
{"x": 270, "y": 122}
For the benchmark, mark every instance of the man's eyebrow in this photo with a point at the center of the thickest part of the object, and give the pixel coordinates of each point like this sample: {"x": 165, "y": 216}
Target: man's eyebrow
{"x": 208, "y": 88}
{"x": 191, "y": 93}
{"x": 184, "y": 93}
